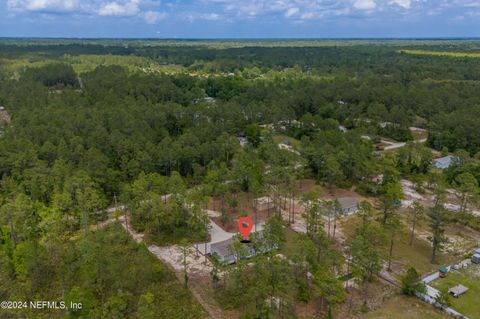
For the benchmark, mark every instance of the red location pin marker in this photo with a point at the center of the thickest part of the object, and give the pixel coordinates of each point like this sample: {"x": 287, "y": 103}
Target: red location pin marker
{"x": 245, "y": 225}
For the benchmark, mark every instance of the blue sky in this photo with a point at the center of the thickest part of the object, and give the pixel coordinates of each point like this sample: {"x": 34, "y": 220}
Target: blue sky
{"x": 239, "y": 19}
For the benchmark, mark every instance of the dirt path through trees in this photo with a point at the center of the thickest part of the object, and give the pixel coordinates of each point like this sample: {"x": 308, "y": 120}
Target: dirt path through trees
{"x": 198, "y": 268}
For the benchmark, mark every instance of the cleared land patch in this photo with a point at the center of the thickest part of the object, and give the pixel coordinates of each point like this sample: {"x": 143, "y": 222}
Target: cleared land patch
{"x": 443, "y": 53}
{"x": 402, "y": 307}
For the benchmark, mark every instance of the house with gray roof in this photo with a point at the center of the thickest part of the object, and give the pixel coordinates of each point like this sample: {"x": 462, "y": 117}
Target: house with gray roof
{"x": 349, "y": 205}
{"x": 443, "y": 162}
{"x": 458, "y": 290}
{"x": 224, "y": 254}
{"x": 222, "y": 251}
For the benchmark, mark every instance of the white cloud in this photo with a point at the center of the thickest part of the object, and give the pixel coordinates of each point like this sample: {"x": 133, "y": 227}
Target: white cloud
{"x": 291, "y": 12}
{"x": 406, "y": 4}
{"x": 150, "y": 11}
{"x": 146, "y": 10}
{"x": 42, "y": 5}
{"x": 91, "y": 7}
{"x": 275, "y": 9}
{"x": 129, "y": 8}
{"x": 365, "y": 4}
{"x": 152, "y": 17}
{"x": 193, "y": 16}
{"x": 210, "y": 16}
{"x": 307, "y": 16}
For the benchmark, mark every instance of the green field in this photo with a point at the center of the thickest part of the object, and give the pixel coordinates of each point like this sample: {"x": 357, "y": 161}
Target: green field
{"x": 402, "y": 307}
{"x": 468, "y": 303}
{"x": 418, "y": 135}
{"x": 443, "y": 53}
{"x": 88, "y": 62}
{"x": 418, "y": 255}
{"x": 290, "y": 140}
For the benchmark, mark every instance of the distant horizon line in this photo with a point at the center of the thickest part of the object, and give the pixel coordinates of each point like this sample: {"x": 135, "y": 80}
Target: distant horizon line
{"x": 238, "y": 38}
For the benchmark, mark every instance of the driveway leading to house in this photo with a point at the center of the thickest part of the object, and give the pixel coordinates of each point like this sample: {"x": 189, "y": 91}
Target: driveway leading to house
{"x": 218, "y": 234}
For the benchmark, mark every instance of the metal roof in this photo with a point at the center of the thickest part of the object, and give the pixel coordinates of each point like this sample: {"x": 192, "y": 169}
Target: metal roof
{"x": 458, "y": 290}
{"x": 348, "y": 202}
{"x": 443, "y": 162}
{"x": 222, "y": 246}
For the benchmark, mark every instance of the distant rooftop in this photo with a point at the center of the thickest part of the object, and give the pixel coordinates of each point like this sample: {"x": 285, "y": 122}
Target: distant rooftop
{"x": 458, "y": 290}
{"x": 348, "y": 202}
{"x": 443, "y": 162}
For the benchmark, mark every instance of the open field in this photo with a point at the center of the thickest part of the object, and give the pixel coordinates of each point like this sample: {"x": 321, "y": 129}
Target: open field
{"x": 88, "y": 62}
{"x": 442, "y": 53}
{"x": 468, "y": 303}
{"x": 401, "y": 307}
{"x": 290, "y": 140}
{"x": 419, "y": 135}
{"x": 418, "y": 255}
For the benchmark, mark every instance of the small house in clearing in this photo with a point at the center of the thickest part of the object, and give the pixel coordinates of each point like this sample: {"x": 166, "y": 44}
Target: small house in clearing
{"x": 457, "y": 291}
{"x": 225, "y": 255}
{"x": 222, "y": 251}
{"x": 443, "y": 162}
{"x": 349, "y": 205}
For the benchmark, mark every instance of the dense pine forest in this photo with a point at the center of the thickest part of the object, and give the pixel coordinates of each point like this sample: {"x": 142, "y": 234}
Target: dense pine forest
{"x": 109, "y": 138}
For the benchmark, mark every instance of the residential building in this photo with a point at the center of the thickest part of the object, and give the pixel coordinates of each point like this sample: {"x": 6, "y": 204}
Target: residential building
{"x": 349, "y": 205}
{"x": 443, "y": 162}
{"x": 224, "y": 254}
{"x": 457, "y": 291}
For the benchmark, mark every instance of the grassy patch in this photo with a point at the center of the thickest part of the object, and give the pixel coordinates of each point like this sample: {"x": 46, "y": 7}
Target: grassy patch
{"x": 88, "y": 62}
{"x": 286, "y": 139}
{"x": 419, "y": 135}
{"x": 468, "y": 303}
{"x": 442, "y": 53}
{"x": 402, "y": 307}
{"x": 289, "y": 246}
{"x": 405, "y": 256}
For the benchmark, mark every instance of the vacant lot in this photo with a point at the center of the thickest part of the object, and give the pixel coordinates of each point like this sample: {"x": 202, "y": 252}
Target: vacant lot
{"x": 443, "y": 53}
{"x": 401, "y": 307}
{"x": 468, "y": 303}
{"x": 419, "y": 253}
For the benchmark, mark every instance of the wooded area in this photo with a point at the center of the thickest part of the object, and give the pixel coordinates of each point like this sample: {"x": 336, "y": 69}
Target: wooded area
{"x": 159, "y": 132}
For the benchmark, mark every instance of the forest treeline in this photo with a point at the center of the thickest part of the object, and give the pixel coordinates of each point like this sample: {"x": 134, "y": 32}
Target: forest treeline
{"x": 77, "y": 143}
